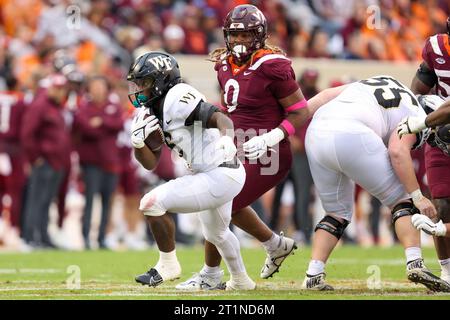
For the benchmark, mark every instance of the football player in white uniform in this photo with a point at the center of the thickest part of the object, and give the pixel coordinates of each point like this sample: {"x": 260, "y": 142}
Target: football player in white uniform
{"x": 204, "y": 138}
{"x": 353, "y": 138}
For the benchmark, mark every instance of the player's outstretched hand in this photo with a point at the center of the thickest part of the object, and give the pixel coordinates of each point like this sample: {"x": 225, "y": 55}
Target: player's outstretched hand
{"x": 410, "y": 125}
{"x": 226, "y": 143}
{"x": 422, "y": 222}
{"x": 426, "y": 207}
{"x": 143, "y": 124}
{"x": 255, "y": 147}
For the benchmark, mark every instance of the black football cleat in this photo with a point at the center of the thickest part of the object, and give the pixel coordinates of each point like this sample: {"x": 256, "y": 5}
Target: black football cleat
{"x": 151, "y": 278}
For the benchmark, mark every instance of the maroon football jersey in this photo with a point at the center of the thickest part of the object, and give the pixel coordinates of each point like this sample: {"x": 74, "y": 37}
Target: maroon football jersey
{"x": 436, "y": 54}
{"x": 11, "y": 111}
{"x": 251, "y": 96}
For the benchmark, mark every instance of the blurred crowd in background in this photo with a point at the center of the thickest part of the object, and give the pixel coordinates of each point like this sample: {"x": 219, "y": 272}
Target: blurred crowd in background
{"x": 65, "y": 115}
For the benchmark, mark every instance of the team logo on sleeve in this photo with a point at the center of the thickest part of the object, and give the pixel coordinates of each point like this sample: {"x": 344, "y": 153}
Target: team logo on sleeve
{"x": 187, "y": 97}
{"x": 440, "y": 60}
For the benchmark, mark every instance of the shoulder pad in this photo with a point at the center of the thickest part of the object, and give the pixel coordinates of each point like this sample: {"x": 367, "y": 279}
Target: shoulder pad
{"x": 181, "y": 96}
{"x": 274, "y": 66}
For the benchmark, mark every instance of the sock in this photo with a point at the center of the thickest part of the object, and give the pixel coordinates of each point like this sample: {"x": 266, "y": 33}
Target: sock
{"x": 168, "y": 265}
{"x": 230, "y": 251}
{"x": 413, "y": 253}
{"x": 272, "y": 244}
{"x": 445, "y": 268}
{"x": 240, "y": 277}
{"x": 168, "y": 257}
{"x": 315, "y": 267}
{"x": 210, "y": 270}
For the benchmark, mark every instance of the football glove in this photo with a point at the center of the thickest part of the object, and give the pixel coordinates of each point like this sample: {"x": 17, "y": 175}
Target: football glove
{"x": 430, "y": 102}
{"x": 257, "y": 146}
{"x": 229, "y": 149}
{"x": 142, "y": 126}
{"x": 422, "y": 222}
{"x": 410, "y": 125}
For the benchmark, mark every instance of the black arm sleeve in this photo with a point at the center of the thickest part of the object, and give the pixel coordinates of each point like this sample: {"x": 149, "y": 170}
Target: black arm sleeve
{"x": 427, "y": 75}
{"x": 202, "y": 112}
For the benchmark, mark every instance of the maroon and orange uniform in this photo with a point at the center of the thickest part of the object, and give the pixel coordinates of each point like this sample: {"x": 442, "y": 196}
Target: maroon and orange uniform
{"x": 251, "y": 95}
{"x": 436, "y": 54}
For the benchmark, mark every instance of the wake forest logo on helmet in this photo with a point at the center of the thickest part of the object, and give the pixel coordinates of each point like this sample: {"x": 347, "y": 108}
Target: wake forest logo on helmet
{"x": 160, "y": 62}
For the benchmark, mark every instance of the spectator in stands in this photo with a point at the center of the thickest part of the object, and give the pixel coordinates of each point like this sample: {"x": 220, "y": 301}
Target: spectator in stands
{"x": 97, "y": 124}
{"x": 173, "y": 36}
{"x": 318, "y": 44}
{"x": 195, "y": 40}
{"x": 45, "y": 139}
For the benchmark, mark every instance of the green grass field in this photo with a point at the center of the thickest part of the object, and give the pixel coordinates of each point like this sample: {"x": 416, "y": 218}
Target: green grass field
{"x": 110, "y": 275}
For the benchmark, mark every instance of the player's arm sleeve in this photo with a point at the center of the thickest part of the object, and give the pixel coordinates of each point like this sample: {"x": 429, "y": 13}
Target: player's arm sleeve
{"x": 282, "y": 76}
{"x": 426, "y": 75}
{"x": 202, "y": 112}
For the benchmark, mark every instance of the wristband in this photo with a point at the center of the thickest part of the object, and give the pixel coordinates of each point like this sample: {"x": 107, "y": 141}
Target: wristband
{"x": 288, "y": 127}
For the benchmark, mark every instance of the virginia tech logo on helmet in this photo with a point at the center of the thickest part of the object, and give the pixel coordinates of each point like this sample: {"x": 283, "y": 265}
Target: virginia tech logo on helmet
{"x": 237, "y": 25}
{"x": 160, "y": 62}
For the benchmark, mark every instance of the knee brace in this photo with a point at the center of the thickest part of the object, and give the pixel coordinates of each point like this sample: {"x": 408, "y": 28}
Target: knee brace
{"x": 150, "y": 205}
{"x": 333, "y": 226}
{"x": 403, "y": 209}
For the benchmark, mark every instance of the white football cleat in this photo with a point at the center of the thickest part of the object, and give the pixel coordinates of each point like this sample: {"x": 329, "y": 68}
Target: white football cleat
{"x": 275, "y": 259}
{"x": 316, "y": 282}
{"x": 202, "y": 281}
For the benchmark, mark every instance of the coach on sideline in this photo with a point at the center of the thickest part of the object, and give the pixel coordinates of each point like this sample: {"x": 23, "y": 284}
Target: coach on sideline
{"x": 45, "y": 138}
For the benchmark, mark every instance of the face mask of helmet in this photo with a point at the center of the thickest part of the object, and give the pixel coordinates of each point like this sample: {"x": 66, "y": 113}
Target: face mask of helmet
{"x": 136, "y": 91}
{"x": 442, "y": 138}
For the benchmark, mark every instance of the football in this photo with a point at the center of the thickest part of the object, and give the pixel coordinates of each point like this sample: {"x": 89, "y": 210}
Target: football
{"x": 155, "y": 140}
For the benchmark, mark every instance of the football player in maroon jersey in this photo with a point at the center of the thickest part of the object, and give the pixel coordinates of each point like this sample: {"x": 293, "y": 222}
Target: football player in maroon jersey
{"x": 261, "y": 96}
{"x": 434, "y": 75}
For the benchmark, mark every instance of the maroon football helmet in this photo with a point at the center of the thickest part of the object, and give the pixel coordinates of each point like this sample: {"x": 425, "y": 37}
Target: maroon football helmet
{"x": 245, "y": 18}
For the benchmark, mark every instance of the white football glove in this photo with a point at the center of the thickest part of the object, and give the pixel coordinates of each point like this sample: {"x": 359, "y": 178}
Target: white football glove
{"x": 226, "y": 143}
{"x": 141, "y": 127}
{"x": 258, "y": 145}
{"x": 422, "y": 222}
{"x": 430, "y": 102}
{"x": 410, "y": 125}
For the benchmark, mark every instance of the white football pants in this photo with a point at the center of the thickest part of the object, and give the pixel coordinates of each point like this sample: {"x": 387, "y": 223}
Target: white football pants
{"x": 339, "y": 159}
{"x": 210, "y": 195}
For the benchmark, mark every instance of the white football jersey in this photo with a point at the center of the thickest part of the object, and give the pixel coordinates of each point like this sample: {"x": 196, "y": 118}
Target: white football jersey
{"x": 377, "y": 104}
{"x": 194, "y": 143}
